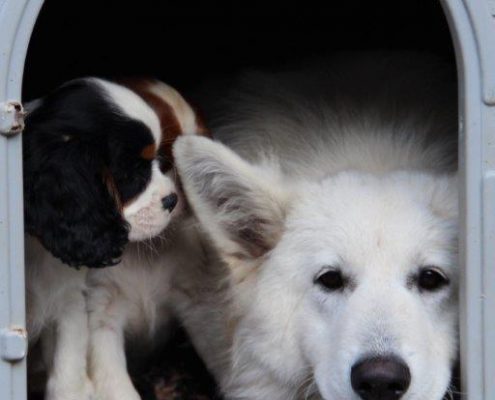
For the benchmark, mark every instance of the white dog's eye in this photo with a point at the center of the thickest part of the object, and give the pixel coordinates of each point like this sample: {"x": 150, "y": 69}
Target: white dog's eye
{"x": 332, "y": 280}
{"x": 431, "y": 279}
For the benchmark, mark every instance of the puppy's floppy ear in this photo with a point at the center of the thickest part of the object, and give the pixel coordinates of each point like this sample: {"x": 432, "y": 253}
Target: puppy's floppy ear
{"x": 241, "y": 209}
{"x": 67, "y": 203}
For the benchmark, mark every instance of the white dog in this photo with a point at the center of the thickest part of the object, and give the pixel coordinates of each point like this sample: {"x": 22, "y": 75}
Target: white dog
{"x": 338, "y": 231}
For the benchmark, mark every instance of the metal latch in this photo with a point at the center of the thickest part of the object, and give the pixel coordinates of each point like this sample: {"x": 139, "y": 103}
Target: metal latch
{"x": 11, "y": 118}
{"x": 13, "y": 344}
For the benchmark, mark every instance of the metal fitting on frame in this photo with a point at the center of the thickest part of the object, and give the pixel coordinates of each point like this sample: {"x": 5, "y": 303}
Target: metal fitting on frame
{"x": 11, "y": 118}
{"x": 13, "y": 344}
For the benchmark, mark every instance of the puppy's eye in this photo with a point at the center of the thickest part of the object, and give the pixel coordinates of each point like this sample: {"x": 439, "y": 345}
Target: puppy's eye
{"x": 331, "y": 280}
{"x": 431, "y": 279}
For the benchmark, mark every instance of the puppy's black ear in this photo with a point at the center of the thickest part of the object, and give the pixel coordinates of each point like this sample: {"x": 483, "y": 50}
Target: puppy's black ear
{"x": 68, "y": 204}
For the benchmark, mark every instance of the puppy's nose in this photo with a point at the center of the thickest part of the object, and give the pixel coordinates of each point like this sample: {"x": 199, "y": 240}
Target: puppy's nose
{"x": 169, "y": 202}
{"x": 380, "y": 378}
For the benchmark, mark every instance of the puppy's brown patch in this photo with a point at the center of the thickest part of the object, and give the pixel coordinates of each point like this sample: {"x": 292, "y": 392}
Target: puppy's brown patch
{"x": 200, "y": 122}
{"x": 149, "y": 152}
{"x": 169, "y": 123}
{"x": 112, "y": 188}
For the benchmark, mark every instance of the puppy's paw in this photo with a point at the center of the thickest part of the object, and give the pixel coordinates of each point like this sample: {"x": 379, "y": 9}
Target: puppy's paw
{"x": 59, "y": 389}
{"x": 118, "y": 395}
{"x": 116, "y": 392}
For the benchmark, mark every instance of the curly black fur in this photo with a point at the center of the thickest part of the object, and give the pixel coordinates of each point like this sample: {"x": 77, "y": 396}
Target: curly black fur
{"x": 67, "y": 151}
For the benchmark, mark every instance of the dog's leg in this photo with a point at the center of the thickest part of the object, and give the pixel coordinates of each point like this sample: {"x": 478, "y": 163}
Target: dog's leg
{"x": 108, "y": 367}
{"x": 255, "y": 382}
{"x": 262, "y": 390}
{"x": 65, "y": 351}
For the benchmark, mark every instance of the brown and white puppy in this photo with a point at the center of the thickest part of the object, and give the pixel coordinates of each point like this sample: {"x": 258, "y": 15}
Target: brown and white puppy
{"x": 98, "y": 181}
{"x": 129, "y": 305}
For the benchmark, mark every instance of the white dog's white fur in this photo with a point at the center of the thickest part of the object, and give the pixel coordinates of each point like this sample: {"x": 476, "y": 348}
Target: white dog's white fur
{"x": 343, "y": 171}
{"x": 131, "y": 296}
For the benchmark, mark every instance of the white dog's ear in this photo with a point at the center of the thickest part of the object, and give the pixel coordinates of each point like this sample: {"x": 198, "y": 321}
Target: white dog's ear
{"x": 241, "y": 208}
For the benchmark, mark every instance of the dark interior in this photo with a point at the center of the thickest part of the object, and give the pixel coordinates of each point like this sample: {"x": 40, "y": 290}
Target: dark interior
{"x": 186, "y": 43}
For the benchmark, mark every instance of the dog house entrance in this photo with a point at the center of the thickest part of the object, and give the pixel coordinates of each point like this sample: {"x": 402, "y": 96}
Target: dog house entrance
{"x": 189, "y": 42}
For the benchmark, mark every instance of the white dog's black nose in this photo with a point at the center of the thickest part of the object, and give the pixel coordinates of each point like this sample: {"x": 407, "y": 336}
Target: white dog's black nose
{"x": 169, "y": 202}
{"x": 380, "y": 378}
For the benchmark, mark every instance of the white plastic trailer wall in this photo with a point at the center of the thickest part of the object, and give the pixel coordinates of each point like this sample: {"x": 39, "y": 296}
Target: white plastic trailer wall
{"x": 472, "y": 24}
{"x": 17, "y": 18}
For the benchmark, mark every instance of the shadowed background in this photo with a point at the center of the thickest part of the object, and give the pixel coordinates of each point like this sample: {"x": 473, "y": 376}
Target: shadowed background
{"x": 186, "y": 43}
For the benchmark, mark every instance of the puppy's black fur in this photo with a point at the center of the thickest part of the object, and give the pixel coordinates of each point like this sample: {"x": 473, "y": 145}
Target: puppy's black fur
{"x": 74, "y": 142}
